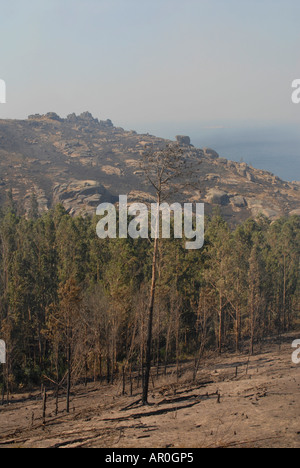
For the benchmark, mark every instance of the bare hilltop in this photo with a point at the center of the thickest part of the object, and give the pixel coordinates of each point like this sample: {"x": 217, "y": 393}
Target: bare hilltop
{"x": 80, "y": 162}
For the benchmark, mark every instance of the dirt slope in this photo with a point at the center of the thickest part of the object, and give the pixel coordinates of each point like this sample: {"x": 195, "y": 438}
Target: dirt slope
{"x": 258, "y": 408}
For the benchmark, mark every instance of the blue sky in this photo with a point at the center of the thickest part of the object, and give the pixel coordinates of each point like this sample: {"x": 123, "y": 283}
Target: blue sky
{"x": 143, "y": 63}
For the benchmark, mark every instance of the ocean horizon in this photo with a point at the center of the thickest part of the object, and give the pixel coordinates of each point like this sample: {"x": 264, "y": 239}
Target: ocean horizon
{"x": 271, "y": 148}
{"x": 274, "y": 150}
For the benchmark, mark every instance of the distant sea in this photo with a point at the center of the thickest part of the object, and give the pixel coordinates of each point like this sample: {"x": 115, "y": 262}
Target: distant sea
{"x": 274, "y": 148}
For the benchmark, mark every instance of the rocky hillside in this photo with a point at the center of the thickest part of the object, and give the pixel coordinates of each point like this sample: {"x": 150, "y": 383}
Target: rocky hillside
{"x": 81, "y": 161}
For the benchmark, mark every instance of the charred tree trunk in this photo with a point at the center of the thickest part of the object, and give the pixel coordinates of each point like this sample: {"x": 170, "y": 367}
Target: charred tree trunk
{"x": 69, "y": 378}
{"x": 150, "y": 327}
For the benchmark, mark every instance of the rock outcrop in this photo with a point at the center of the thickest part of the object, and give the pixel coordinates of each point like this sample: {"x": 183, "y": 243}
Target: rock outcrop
{"x": 210, "y": 153}
{"x": 217, "y": 197}
{"x": 238, "y": 201}
{"x": 183, "y": 140}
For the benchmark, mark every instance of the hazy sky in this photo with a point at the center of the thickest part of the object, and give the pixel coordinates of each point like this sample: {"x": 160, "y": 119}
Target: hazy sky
{"x": 143, "y": 61}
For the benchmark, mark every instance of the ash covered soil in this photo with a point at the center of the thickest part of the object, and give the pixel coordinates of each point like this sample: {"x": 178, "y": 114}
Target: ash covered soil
{"x": 258, "y": 407}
